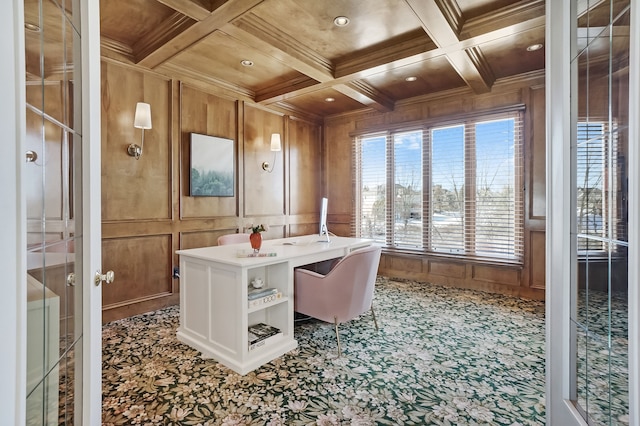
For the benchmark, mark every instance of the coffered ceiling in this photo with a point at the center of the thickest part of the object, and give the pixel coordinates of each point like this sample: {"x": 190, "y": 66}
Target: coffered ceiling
{"x": 301, "y": 58}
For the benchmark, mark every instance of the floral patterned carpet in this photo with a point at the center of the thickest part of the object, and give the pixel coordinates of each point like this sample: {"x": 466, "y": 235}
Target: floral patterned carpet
{"x": 442, "y": 356}
{"x": 602, "y": 357}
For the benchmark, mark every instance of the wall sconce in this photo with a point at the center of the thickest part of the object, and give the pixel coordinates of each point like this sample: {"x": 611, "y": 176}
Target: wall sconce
{"x": 276, "y": 145}
{"x": 142, "y": 121}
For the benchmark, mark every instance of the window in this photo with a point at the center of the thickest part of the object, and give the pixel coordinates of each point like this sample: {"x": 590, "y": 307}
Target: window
{"x": 407, "y": 193}
{"x": 589, "y": 185}
{"x": 447, "y": 189}
{"x": 453, "y": 189}
{"x": 372, "y": 211}
{"x": 498, "y": 206}
{"x": 600, "y": 213}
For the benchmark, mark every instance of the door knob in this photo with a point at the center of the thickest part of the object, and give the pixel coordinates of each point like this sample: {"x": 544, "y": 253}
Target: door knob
{"x": 107, "y": 278}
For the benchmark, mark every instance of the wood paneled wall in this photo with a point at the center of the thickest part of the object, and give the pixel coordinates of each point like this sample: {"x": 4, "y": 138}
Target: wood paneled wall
{"x": 526, "y": 280}
{"x": 147, "y": 211}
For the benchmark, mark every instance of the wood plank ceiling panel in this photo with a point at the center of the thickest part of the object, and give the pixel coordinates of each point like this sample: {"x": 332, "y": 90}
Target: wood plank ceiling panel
{"x": 225, "y": 54}
{"x": 300, "y": 57}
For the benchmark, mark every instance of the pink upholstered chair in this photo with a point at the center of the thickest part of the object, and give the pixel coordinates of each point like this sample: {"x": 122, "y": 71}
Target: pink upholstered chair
{"x": 233, "y": 239}
{"x": 343, "y": 293}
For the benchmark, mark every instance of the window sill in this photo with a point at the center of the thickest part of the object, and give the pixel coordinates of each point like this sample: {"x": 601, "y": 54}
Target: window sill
{"x": 461, "y": 258}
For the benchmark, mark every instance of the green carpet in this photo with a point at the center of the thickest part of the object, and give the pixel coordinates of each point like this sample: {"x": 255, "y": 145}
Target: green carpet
{"x": 442, "y": 356}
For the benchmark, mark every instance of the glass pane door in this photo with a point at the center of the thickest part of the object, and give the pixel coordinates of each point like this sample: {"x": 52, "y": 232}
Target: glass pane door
{"x": 53, "y": 138}
{"x": 600, "y": 151}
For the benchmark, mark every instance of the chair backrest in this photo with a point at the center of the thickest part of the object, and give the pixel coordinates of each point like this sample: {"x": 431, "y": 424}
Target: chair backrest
{"x": 233, "y": 239}
{"x": 345, "y": 292}
{"x": 355, "y": 276}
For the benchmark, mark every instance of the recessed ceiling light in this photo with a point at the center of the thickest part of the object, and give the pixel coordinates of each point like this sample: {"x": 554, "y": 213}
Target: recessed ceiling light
{"x": 411, "y": 78}
{"x": 246, "y": 63}
{"x": 31, "y": 27}
{"x": 329, "y": 99}
{"x": 341, "y": 21}
{"x": 534, "y": 47}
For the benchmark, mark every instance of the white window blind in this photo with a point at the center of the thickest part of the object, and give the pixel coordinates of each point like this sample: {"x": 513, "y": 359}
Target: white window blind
{"x": 454, "y": 189}
{"x": 498, "y": 181}
{"x": 447, "y": 189}
{"x": 600, "y": 178}
{"x": 407, "y": 175}
{"x": 590, "y": 169}
{"x": 371, "y": 187}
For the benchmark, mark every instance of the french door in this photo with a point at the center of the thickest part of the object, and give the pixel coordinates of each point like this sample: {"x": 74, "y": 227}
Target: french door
{"x": 60, "y": 187}
{"x": 593, "y": 216}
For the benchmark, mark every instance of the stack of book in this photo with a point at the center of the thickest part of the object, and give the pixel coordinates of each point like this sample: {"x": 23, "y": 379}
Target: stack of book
{"x": 251, "y": 253}
{"x": 261, "y": 296}
{"x": 261, "y": 333}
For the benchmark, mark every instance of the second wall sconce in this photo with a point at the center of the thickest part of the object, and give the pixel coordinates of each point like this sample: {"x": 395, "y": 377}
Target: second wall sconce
{"x": 276, "y": 145}
{"x": 142, "y": 121}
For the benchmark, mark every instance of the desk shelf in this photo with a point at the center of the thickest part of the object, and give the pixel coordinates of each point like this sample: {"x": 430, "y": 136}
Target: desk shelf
{"x": 274, "y": 313}
{"x": 215, "y": 316}
{"x": 266, "y": 305}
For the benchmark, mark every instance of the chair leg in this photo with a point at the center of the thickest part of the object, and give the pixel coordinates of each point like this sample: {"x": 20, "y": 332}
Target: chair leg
{"x": 337, "y": 336}
{"x": 375, "y": 321}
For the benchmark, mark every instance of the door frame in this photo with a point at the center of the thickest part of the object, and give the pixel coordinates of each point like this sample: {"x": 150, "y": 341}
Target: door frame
{"x": 634, "y": 216}
{"x": 559, "y": 346}
{"x": 559, "y": 409}
{"x": 13, "y": 303}
{"x": 91, "y": 213}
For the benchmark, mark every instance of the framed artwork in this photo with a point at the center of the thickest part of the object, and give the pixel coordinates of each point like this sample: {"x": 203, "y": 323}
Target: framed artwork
{"x": 212, "y": 166}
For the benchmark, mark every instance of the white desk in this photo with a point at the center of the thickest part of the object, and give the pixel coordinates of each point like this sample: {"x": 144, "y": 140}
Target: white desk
{"x": 214, "y": 309}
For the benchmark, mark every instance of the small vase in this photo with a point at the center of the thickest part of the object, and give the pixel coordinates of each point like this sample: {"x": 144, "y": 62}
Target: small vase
{"x": 256, "y": 241}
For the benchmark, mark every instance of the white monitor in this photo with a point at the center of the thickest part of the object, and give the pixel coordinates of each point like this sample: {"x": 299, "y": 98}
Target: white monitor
{"x": 323, "y": 230}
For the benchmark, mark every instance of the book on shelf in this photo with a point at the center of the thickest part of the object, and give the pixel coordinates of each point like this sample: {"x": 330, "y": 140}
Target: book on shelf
{"x": 265, "y": 299}
{"x": 260, "y": 333}
{"x": 261, "y": 292}
{"x": 264, "y": 341}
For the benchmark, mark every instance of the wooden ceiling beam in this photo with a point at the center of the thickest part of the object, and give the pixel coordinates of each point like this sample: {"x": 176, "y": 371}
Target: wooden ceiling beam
{"x": 115, "y": 50}
{"x": 366, "y": 95}
{"x": 441, "y": 28}
{"x": 224, "y": 14}
{"x": 296, "y": 112}
{"x": 192, "y": 9}
{"x": 268, "y": 97}
{"x": 525, "y": 13}
{"x": 347, "y": 73}
{"x": 356, "y": 90}
{"x": 160, "y": 35}
{"x": 481, "y": 77}
{"x": 277, "y": 93}
{"x": 412, "y": 45}
{"x": 228, "y": 89}
{"x": 498, "y": 33}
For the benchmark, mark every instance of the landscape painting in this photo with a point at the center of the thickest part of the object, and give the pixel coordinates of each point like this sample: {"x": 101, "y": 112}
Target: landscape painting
{"x": 212, "y": 166}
